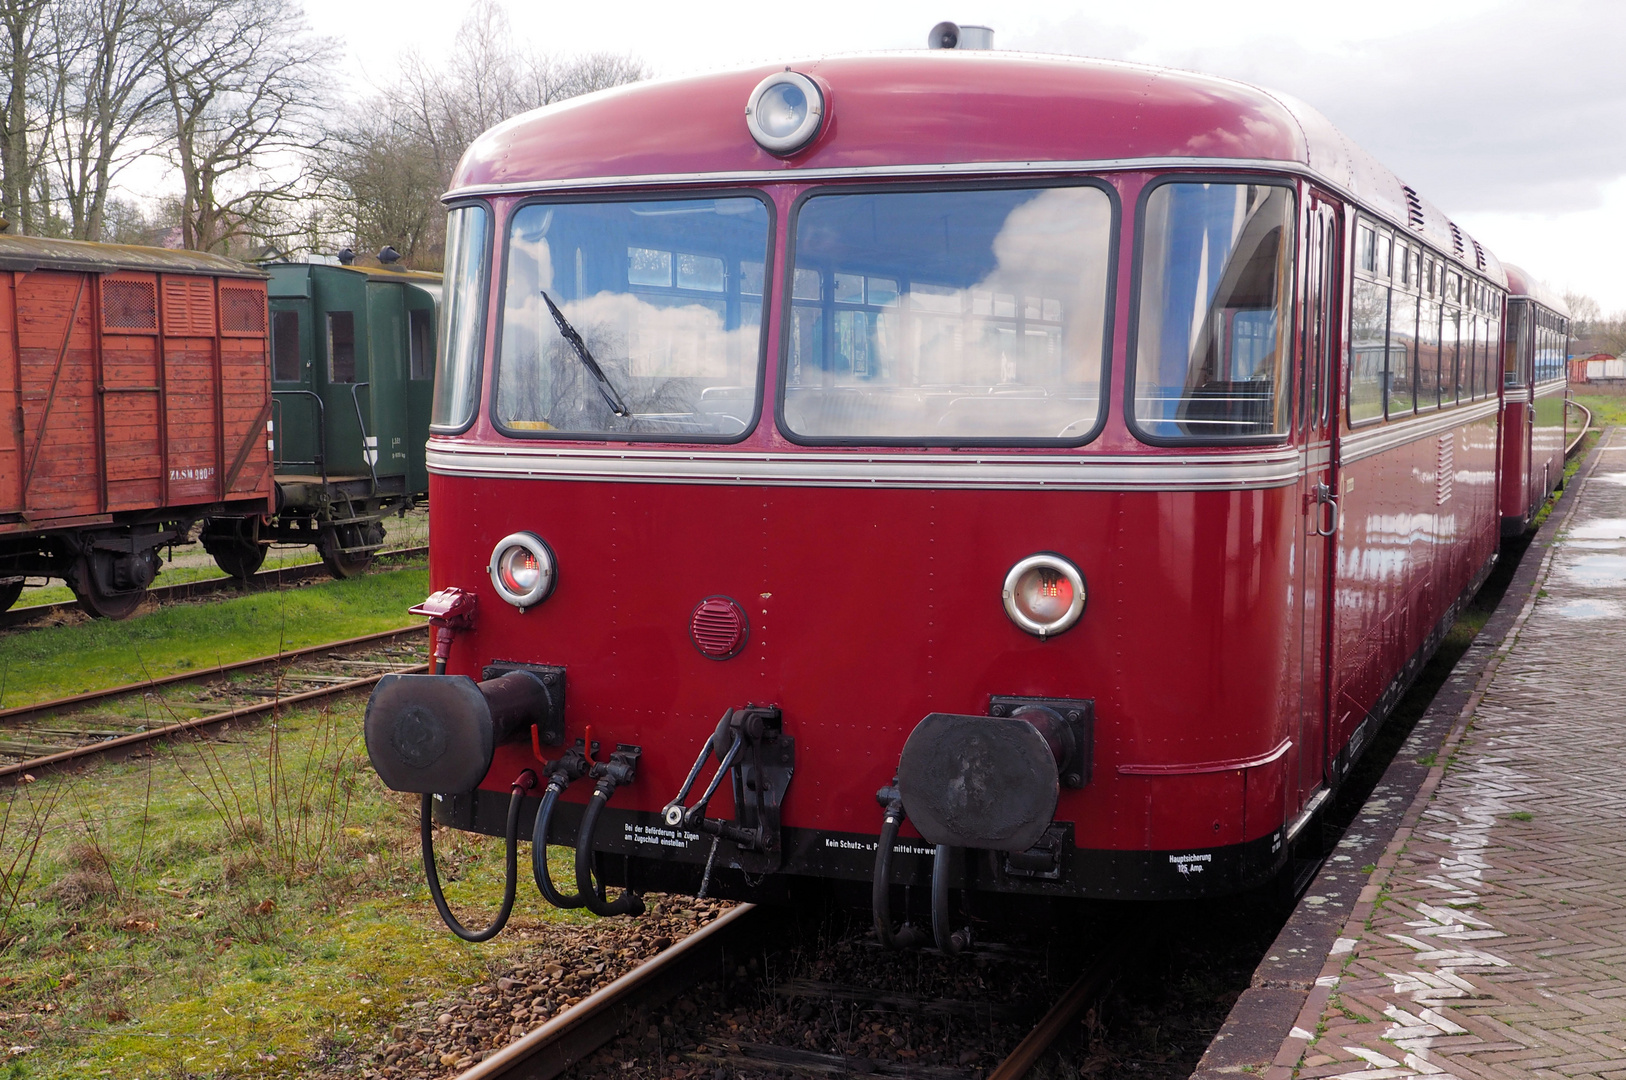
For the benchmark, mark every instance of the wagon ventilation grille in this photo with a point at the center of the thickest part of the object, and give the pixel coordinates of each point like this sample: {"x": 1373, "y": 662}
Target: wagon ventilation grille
{"x": 242, "y": 310}
{"x": 189, "y": 307}
{"x": 1445, "y": 477}
{"x": 1479, "y": 255}
{"x": 719, "y": 628}
{"x": 1414, "y": 208}
{"x": 1456, "y": 239}
{"x": 129, "y": 304}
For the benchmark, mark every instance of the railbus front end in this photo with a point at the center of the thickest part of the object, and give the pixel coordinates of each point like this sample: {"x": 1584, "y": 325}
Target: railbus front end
{"x": 842, "y": 516}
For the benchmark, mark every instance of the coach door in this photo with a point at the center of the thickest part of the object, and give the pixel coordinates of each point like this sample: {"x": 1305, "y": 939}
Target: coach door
{"x": 1318, "y": 337}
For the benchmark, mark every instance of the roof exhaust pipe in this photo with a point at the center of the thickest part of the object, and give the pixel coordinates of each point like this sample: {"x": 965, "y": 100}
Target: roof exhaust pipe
{"x": 947, "y": 35}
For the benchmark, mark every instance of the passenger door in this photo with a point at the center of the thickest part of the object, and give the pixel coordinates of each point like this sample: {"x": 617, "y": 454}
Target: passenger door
{"x": 1319, "y": 338}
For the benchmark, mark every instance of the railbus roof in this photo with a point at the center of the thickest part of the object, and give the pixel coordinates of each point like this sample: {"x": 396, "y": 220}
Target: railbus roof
{"x": 1520, "y": 283}
{"x": 943, "y": 113}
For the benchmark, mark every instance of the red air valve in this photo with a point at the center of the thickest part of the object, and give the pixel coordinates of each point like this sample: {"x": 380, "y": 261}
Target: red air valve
{"x": 449, "y": 610}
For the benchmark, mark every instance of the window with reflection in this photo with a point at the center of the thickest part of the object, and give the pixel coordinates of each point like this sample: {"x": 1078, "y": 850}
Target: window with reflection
{"x": 633, "y": 319}
{"x": 462, "y": 318}
{"x": 949, "y": 316}
{"x": 1402, "y": 382}
{"x": 1214, "y": 323}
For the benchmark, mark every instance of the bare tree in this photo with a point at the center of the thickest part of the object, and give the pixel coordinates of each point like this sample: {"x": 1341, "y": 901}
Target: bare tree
{"x": 241, "y": 83}
{"x": 21, "y": 23}
{"x": 397, "y": 153}
{"x": 104, "y": 102}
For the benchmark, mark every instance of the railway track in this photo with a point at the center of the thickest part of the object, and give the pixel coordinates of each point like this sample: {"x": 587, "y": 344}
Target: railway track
{"x": 266, "y": 579}
{"x": 52, "y": 734}
{"x": 713, "y": 955}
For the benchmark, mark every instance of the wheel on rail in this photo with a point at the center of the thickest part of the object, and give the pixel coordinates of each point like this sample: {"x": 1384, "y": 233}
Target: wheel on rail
{"x": 236, "y": 547}
{"x": 333, "y": 541}
{"x": 103, "y": 602}
{"x": 9, "y": 592}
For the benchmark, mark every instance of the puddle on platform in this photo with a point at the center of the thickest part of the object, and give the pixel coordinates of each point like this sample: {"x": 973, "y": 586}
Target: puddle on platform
{"x": 1590, "y": 609}
{"x": 1595, "y": 545}
{"x": 1600, "y": 529}
{"x": 1596, "y": 571}
{"x": 1611, "y": 477}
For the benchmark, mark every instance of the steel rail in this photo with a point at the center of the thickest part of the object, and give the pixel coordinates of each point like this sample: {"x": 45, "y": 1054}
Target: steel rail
{"x": 265, "y": 579}
{"x": 10, "y": 773}
{"x": 21, "y": 712}
{"x": 1586, "y": 427}
{"x": 1087, "y": 991}
{"x": 595, "y": 1020}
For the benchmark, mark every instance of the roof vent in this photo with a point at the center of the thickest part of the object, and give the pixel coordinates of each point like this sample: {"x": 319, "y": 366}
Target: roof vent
{"x": 1414, "y": 207}
{"x": 1479, "y": 255}
{"x": 1456, "y": 238}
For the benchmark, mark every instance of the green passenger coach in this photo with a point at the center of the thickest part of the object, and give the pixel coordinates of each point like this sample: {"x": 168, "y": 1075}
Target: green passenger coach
{"x": 352, "y": 370}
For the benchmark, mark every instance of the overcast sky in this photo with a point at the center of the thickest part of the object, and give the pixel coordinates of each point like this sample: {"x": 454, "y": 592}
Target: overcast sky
{"x": 1509, "y": 115}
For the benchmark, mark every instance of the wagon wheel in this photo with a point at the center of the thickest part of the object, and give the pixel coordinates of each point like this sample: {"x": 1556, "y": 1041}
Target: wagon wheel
{"x": 238, "y": 557}
{"x": 100, "y": 604}
{"x": 346, "y": 564}
{"x": 9, "y": 592}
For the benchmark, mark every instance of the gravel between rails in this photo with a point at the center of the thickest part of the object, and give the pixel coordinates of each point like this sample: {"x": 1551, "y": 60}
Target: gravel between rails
{"x": 560, "y": 964}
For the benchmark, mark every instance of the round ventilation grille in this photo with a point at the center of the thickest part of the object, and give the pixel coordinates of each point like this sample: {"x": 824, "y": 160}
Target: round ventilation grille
{"x": 718, "y": 628}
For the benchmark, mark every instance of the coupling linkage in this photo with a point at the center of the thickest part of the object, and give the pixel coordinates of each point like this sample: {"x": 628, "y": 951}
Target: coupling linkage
{"x": 740, "y": 730}
{"x": 574, "y": 764}
{"x": 620, "y": 769}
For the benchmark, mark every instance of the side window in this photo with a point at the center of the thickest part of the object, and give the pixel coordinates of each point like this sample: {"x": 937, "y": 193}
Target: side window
{"x": 341, "y": 347}
{"x": 420, "y": 344}
{"x": 285, "y": 346}
{"x": 1369, "y": 329}
{"x": 1402, "y": 397}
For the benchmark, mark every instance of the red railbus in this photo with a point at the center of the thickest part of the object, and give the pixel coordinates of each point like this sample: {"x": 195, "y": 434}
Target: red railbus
{"x": 985, "y": 473}
{"x": 1535, "y": 378}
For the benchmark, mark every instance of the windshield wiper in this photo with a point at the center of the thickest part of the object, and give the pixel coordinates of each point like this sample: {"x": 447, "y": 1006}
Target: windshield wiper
{"x": 568, "y": 332}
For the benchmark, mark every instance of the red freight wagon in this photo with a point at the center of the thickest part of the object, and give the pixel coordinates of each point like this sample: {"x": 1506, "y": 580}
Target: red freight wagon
{"x": 991, "y": 474}
{"x": 135, "y": 387}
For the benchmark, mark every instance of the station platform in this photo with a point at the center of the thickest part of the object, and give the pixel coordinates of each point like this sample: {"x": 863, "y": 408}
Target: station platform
{"x": 1472, "y": 922}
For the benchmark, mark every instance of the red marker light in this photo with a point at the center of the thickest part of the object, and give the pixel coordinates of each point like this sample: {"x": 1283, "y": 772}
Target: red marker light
{"x": 1044, "y": 594}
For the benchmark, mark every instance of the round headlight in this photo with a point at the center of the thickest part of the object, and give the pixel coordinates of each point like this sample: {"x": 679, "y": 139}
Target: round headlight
{"x": 785, "y": 112}
{"x": 1044, "y": 594}
{"x": 522, "y": 569}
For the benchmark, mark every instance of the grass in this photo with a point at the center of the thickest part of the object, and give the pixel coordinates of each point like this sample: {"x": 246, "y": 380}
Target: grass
{"x": 1607, "y": 409}
{"x": 247, "y": 906}
{"x": 49, "y": 662}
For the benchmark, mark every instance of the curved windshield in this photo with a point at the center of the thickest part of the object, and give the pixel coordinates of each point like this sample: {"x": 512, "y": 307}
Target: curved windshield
{"x": 633, "y": 319}
{"x": 1211, "y": 346}
{"x": 462, "y": 319}
{"x": 949, "y": 316}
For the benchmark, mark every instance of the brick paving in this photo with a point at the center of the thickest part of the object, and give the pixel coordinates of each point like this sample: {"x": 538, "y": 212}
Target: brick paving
{"x": 1491, "y": 940}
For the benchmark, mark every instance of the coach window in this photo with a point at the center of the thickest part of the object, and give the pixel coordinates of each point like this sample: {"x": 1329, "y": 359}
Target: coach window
{"x": 948, "y": 317}
{"x": 285, "y": 346}
{"x": 1428, "y": 339}
{"x": 420, "y": 344}
{"x": 1369, "y": 324}
{"x": 1215, "y": 316}
{"x": 462, "y": 318}
{"x": 633, "y": 319}
{"x": 1517, "y": 350}
{"x": 1493, "y": 347}
{"x": 341, "y": 347}
{"x": 1403, "y": 309}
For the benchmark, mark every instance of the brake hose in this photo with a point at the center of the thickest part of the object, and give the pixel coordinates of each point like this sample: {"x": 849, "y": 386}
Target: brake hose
{"x": 525, "y": 781}
{"x": 591, "y": 891}
{"x": 539, "y": 852}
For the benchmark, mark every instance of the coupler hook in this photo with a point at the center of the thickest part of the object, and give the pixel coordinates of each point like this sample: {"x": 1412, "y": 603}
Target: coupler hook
{"x": 620, "y": 769}
{"x": 571, "y": 767}
{"x": 524, "y": 782}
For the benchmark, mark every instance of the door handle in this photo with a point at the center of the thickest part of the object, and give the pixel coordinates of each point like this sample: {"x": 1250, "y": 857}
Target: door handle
{"x": 1326, "y": 496}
